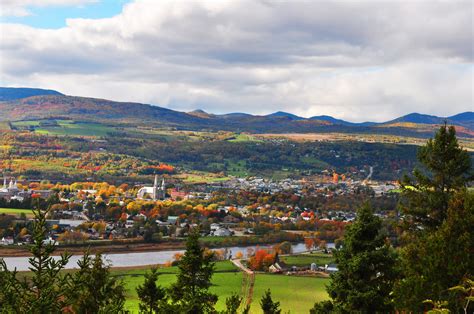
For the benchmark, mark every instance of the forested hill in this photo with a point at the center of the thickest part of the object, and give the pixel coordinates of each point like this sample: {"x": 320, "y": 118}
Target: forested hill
{"x": 11, "y": 93}
{"x": 51, "y": 104}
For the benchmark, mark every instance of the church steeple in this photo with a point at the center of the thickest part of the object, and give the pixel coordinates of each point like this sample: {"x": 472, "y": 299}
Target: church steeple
{"x": 155, "y": 188}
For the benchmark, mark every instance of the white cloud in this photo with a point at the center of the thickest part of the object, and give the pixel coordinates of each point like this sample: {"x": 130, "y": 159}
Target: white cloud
{"x": 359, "y": 61}
{"x": 20, "y": 8}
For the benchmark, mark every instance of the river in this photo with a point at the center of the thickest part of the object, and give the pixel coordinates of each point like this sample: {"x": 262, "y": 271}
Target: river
{"x": 143, "y": 258}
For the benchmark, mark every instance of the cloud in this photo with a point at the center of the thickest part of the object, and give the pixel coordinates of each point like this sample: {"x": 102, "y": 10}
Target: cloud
{"x": 359, "y": 61}
{"x": 19, "y": 8}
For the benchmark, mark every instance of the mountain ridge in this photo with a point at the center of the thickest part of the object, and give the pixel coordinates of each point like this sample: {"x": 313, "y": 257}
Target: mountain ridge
{"x": 55, "y": 104}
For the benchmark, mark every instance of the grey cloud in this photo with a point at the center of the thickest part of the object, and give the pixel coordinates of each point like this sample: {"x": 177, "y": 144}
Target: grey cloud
{"x": 369, "y": 60}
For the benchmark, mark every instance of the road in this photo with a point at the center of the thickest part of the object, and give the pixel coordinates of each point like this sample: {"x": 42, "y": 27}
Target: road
{"x": 248, "y": 282}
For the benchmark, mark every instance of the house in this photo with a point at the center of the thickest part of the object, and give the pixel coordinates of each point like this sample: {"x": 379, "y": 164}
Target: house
{"x": 7, "y": 241}
{"x": 331, "y": 268}
{"x": 222, "y": 232}
{"x": 214, "y": 226}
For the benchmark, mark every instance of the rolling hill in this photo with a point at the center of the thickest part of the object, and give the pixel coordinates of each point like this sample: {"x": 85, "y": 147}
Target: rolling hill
{"x": 11, "y": 93}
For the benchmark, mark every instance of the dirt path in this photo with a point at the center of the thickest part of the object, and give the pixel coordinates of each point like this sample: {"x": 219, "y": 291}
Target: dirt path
{"x": 248, "y": 281}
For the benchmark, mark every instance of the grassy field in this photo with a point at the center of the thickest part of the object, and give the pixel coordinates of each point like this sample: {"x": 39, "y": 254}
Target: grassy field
{"x": 242, "y": 137}
{"x": 307, "y": 259}
{"x": 16, "y": 212}
{"x": 201, "y": 177}
{"x": 296, "y": 294}
{"x": 76, "y": 129}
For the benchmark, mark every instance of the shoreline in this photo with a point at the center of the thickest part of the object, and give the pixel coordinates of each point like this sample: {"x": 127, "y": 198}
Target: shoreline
{"x": 106, "y": 249}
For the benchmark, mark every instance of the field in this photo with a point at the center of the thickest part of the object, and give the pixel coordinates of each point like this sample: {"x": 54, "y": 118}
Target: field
{"x": 297, "y": 294}
{"x": 65, "y": 127}
{"x": 16, "y": 212}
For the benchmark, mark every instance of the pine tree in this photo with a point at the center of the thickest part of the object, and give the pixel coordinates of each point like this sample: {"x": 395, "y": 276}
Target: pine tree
{"x": 366, "y": 269}
{"x": 190, "y": 292}
{"x": 434, "y": 261}
{"x": 232, "y": 304}
{"x": 446, "y": 169}
{"x": 43, "y": 292}
{"x": 437, "y": 247}
{"x": 153, "y": 298}
{"x": 92, "y": 289}
{"x": 267, "y": 304}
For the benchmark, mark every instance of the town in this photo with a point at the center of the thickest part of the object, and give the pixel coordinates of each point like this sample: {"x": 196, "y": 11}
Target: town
{"x": 238, "y": 209}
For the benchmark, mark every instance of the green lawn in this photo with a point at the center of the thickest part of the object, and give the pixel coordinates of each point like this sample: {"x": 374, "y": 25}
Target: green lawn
{"x": 297, "y": 294}
{"x": 16, "y": 212}
{"x": 307, "y": 259}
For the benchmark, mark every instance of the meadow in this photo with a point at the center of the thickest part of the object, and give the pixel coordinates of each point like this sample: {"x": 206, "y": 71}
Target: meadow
{"x": 16, "y": 212}
{"x": 296, "y": 294}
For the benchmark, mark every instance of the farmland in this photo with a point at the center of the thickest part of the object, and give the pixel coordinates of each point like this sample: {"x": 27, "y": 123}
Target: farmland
{"x": 297, "y": 294}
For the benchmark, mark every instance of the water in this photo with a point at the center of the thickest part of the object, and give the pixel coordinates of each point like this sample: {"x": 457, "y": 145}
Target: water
{"x": 143, "y": 258}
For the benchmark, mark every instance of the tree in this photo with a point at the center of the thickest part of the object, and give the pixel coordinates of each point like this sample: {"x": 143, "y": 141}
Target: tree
{"x": 366, "y": 269}
{"x": 232, "y": 304}
{"x": 447, "y": 169}
{"x": 437, "y": 247}
{"x": 267, "y": 304}
{"x": 153, "y": 298}
{"x": 43, "y": 292}
{"x": 434, "y": 261}
{"x": 92, "y": 289}
{"x": 190, "y": 292}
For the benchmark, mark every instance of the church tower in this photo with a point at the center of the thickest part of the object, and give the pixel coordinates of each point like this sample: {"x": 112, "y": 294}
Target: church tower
{"x": 155, "y": 189}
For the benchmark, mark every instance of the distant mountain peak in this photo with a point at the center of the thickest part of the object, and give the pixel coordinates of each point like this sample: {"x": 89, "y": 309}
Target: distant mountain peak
{"x": 12, "y": 93}
{"x": 200, "y": 113}
{"x": 285, "y": 115}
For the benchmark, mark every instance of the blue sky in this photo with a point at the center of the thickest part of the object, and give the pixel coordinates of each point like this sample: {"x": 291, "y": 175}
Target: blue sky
{"x": 54, "y": 16}
{"x": 354, "y": 60}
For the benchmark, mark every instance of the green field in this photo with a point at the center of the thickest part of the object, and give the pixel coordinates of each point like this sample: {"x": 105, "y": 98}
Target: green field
{"x": 296, "y": 294}
{"x": 16, "y": 212}
{"x": 65, "y": 127}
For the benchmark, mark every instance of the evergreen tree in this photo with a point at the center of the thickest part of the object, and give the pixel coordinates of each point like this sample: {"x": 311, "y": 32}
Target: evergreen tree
{"x": 366, "y": 269}
{"x": 43, "y": 292}
{"x": 434, "y": 261}
{"x": 267, "y": 304}
{"x": 190, "y": 292}
{"x": 446, "y": 169}
{"x": 92, "y": 289}
{"x": 153, "y": 298}
{"x": 437, "y": 246}
{"x": 232, "y": 304}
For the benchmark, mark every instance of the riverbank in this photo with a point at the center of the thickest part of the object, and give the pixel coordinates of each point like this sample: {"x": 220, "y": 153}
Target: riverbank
{"x": 134, "y": 246}
{"x": 22, "y": 251}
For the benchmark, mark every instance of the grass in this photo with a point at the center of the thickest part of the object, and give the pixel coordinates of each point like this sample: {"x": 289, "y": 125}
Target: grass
{"x": 16, "y": 212}
{"x": 307, "y": 259}
{"x": 75, "y": 129}
{"x": 242, "y": 137}
{"x": 201, "y": 177}
{"x": 297, "y": 294}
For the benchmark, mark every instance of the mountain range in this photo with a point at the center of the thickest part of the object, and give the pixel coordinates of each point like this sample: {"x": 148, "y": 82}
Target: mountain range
{"x": 28, "y": 103}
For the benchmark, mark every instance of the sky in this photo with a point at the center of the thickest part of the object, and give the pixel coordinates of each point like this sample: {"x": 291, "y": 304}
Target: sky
{"x": 354, "y": 60}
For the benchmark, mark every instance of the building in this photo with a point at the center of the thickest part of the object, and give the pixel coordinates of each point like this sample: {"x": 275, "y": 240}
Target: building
{"x": 11, "y": 191}
{"x": 155, "y": 192}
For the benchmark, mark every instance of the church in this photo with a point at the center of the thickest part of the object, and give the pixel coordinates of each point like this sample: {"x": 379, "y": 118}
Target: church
{"x": 155, "y": 192}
